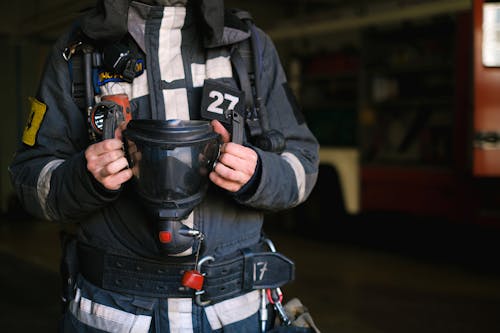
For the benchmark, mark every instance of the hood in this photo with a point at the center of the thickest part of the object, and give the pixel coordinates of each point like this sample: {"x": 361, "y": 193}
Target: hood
{"x": 107, "y": 21}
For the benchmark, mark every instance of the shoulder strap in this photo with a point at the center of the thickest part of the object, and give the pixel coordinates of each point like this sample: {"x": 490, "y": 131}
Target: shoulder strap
{"x": 78, "y": 55}
{"x": 247, "y": 59}
{"x": 242, "y": 66}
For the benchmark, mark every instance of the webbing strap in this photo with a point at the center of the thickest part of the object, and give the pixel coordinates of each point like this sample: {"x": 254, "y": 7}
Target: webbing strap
{"x": 78, "y": 88}
{"x": 242, "y": 68}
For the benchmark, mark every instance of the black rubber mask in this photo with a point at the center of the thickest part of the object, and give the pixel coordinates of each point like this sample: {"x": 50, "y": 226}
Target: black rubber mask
{"x": 171, "y": 161}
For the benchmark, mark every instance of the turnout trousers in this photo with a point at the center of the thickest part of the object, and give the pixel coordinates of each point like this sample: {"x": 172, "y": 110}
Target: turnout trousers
{"x": 94, "y": 310}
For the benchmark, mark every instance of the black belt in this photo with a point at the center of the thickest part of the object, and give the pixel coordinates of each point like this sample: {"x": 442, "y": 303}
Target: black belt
{"x": 224, "y": 279}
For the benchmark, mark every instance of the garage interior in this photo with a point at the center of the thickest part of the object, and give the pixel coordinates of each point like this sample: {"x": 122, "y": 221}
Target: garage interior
{"x": 401, "y": 233}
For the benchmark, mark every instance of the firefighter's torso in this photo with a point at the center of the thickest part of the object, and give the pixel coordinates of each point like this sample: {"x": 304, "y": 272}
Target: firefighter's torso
{"x": 170, "y": 86}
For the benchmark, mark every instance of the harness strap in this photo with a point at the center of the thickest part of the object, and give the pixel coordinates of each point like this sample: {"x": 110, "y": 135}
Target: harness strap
{"x": 224, "y": 278}
{"x": 78, "y": 86}
{"x": 242, "y": 70}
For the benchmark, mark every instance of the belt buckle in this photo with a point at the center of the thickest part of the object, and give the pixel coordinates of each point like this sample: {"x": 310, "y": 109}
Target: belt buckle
{"x": 198, "y": 293}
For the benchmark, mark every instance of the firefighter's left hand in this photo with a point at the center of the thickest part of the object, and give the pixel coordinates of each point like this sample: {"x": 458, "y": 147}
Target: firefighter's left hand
{"x": 236, "y": 164}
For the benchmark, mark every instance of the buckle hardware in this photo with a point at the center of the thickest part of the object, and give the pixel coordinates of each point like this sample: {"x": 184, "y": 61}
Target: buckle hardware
{"x": 201, "y": 292}
{"x": 70, "y": 50}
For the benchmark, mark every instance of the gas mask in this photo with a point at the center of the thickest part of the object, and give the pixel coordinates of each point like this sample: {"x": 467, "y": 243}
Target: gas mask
{"x": 170, "y": 161}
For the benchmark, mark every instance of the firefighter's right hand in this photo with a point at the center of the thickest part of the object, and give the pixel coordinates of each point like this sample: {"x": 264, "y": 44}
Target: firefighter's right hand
{"x": 107, "y": 163}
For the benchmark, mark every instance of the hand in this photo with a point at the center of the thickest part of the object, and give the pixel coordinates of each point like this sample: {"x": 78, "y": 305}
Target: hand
{"x": 236, "y": 164}
{"x": 107, "y": 163}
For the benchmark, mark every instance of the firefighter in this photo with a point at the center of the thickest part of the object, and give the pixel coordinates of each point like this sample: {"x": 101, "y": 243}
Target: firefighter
{"x": 162, "y": 55}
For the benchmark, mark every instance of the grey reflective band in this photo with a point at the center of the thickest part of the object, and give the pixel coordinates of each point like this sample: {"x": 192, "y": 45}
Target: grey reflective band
{"x": 106, "y": 318}
{"x": 43, "y": 184}
{"x": 300, "y": 174}
{"x": 172, "y": 65}
{"x": 180, "y": 315}
{"x": 233, "y": 310}
{"x": 215, "y": 68}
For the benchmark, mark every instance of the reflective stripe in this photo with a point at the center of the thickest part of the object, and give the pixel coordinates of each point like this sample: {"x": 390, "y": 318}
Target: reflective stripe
{"x": 198, "y": 72}
{"x": 171, "y": 64}
{"x": 233, "y": 310}
{"x": 180, "y": 315}
{"x": 176, "y": 103}
{"x": 215, "y": 68}
{"x": 136, "y": 89}
{"x": 300, "y": 174}
{"x": 43, "y": 184}
{"x": 106, "y": 318}
{"x": 219, "y": 67}
{"x": 169, "y": 53}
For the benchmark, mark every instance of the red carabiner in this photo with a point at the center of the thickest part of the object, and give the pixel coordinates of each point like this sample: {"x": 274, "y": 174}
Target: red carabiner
{"x": 274, "y": 298}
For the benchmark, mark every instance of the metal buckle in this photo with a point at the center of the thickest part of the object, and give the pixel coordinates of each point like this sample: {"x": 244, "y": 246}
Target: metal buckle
{"x": 70, "y": 50}
{"x": 198, "y": 294}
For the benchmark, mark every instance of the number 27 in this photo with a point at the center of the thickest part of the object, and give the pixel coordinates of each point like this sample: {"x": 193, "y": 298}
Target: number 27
{"x": 219, "y": 99}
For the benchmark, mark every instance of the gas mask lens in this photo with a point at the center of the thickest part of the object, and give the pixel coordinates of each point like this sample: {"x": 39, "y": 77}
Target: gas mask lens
{"x": 171, "y": 160}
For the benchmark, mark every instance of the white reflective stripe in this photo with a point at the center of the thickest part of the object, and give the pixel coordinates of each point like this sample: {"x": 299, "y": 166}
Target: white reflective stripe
{"x": 176, "y": 103}
{"x": 219, "y": 67}
{"x": 43, "y": 184}
{"x": 199, "y": 74}
{"x": 213, "y": 320}
{"x": 136, "y": 89}
{"x": 300, "y": 173}
{"x": 233, "y": 310}
{"x": 215, "y": 68}
{"x": 180, "y": 315}
{"x": 169, "y": 53}
{"x": 106, "y": 318}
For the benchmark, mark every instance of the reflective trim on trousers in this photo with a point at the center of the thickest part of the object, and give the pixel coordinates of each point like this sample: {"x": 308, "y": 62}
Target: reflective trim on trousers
{"x": 106, "y": 318}
{"x": 233, "y": 310}
{"x": 180, "y": 313}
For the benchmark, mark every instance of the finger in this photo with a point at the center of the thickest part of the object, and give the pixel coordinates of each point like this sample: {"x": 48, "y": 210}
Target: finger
{"x": 236, "y": 163}
{"x": 224, "y": 183}
{"x": 120, "y": 129}
{"x": 220, "y": 129}
{"x": 97, "y": 162}
{"x": 231, "y": 174}
{"x": 111, "y": 156}
{"x": 105, "y": 146}
{"x": 113, "y": 167}
{"x": 239, "y": 151}
{"x": 114, "y": 182}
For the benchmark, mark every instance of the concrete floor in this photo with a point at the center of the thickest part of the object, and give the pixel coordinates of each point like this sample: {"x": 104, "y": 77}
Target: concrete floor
{"x": 357, "y": 277}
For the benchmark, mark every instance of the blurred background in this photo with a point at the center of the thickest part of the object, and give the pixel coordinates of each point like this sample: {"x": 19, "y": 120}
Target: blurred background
{"x": 402, "y": 231}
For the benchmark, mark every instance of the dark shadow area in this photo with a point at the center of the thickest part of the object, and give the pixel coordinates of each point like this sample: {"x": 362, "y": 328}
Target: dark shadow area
{"x": 323, "y": 218}
{"x": 30, "y": 297}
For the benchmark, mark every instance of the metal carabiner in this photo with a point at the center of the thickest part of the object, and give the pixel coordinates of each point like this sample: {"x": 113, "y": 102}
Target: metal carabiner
{"x": 70, "y": 50}
{"x": 276, "y": 297}
{"x": 198, "y": 294}
{"x": 270, "y": 244}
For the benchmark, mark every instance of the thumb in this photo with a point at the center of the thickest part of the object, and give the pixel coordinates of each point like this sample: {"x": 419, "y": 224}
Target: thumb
{"x": 220, "y": 129}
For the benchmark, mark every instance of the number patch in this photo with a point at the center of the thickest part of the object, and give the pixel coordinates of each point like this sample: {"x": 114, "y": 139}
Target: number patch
{"x": 219, "y": 101}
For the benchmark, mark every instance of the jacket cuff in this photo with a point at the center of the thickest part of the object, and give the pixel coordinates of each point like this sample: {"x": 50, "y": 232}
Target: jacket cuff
{"x": 249, "y": 189}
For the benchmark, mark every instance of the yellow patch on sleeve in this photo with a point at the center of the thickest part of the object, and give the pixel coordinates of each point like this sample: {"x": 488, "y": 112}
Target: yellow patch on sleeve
{"x": 35, "y": 119}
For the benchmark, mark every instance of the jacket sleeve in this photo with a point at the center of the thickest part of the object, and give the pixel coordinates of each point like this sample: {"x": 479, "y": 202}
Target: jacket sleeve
{"x": 49, "y": 173}
{"x": 286, "y": 179}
